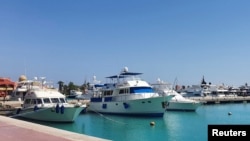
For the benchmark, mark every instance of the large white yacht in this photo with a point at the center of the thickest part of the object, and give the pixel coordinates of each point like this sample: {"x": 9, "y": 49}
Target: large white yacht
{"x": 45, "y": 104}
{"x": 128, "y": 94}
{"x": 200, "y": 90}
{"x": 178, "y": 102}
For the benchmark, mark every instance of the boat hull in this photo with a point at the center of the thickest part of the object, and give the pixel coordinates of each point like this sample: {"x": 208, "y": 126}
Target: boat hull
{"x": 51, "y": 114}
{"x": 154, "y": 106}
{"x": 182, "y": 106}
{"x": 72, "y": 96}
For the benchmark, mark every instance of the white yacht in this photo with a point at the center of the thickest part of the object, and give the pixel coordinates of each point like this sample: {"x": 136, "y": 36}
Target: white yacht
{"x": 21, "y": 88}
{"x": 194, "y": 91}
{"x": 74, "y": 94}
{"x": 91, "y": 88}
{"x": 221, "y": 91}
{"x": 128, "y": 94}
{"x": 178, "y": 102}
{"x": 200, "y": 90}
{"x": 44, "y": 104}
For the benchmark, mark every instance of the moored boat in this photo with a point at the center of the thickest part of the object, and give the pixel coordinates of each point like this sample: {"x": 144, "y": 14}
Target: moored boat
{"x": 128, "y": 94}
{"x": 90, "y": 89}
{"x": 45, "y": 104}
{"x": 74, "y": 94}
{"x": 177, "y": 102}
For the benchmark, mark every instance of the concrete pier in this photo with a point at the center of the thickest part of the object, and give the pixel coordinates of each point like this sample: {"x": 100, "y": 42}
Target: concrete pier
{"x": 222, "y": 100}
{"x": 16, "y": 130}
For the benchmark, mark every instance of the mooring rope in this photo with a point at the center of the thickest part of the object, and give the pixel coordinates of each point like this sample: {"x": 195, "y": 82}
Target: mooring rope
{"x": 100, "y": 114}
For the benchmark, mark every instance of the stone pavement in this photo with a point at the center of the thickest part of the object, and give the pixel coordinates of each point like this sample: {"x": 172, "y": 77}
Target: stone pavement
{"x": 18, "y": 130}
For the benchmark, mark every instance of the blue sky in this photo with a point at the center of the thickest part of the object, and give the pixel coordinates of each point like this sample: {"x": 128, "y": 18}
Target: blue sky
{"x": 72, "y": 40}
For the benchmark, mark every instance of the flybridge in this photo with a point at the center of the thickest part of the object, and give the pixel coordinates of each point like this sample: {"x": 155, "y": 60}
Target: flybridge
{"x": 124, "y": 74}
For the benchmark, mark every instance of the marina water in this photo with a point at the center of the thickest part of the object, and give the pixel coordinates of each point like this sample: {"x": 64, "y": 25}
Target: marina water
{"x": 174, "y": 126}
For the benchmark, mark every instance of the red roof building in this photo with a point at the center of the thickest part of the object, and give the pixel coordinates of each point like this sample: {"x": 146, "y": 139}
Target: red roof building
{"x": 6, "y": 86}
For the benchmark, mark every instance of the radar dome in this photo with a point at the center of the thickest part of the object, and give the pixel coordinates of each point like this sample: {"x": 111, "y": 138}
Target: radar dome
{"x": 125, "y": 69}
{"x": 158, "y": 80}
{"x": 22, "y": 78}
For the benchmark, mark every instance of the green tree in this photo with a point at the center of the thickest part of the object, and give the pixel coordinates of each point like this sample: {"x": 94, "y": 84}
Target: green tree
{"x": 65, "y": 89}
{"x": 85, "y": 86}
{"x": 72, "y": 86}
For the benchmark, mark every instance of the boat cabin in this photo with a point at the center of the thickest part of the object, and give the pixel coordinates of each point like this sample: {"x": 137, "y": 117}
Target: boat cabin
{"x": 40, "y": 98}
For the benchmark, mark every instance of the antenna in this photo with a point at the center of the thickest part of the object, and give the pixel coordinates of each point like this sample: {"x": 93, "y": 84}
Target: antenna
{"x": 43, "y": 80}
{"x": 25, "y": 69}
{"x": 175, "y": 82}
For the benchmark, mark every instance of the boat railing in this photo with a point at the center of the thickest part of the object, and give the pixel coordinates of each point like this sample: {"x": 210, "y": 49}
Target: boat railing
{"x": 125, "y": 97}
{"x": 133, "y": 78}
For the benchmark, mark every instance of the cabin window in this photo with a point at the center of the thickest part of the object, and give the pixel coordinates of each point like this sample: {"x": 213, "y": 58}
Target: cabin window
{"x": 214, "y": 92}
{"x": 27, "y": 101}
{"x": 141, "y": 90}
{"x": 107, "y": 92}
{"x": 55, "y": 100}
{"x": 123, "y": 91}
{"x": 39, "y": 101}
{"x": 62, "y": 100}
{"x": 127, "y": 91}
{"x": 33, "y": 101}
{"x": 46, "y": 100}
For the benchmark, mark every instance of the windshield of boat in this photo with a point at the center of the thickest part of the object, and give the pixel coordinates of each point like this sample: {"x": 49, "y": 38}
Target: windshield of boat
{"x": 141, "y": 90}
{"x": 38, "y": 101}
{"x": 33, "y": 101}
{"x": 62, "y": 100}
{"x": 27, "y": 101}
{"x": 58, "y": 100}
{"x": 46, "y": 100}
{"x": 55, "y": 100}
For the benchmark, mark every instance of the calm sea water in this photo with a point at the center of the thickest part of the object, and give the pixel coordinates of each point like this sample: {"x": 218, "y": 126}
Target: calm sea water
{"x": 174, "y": 126}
